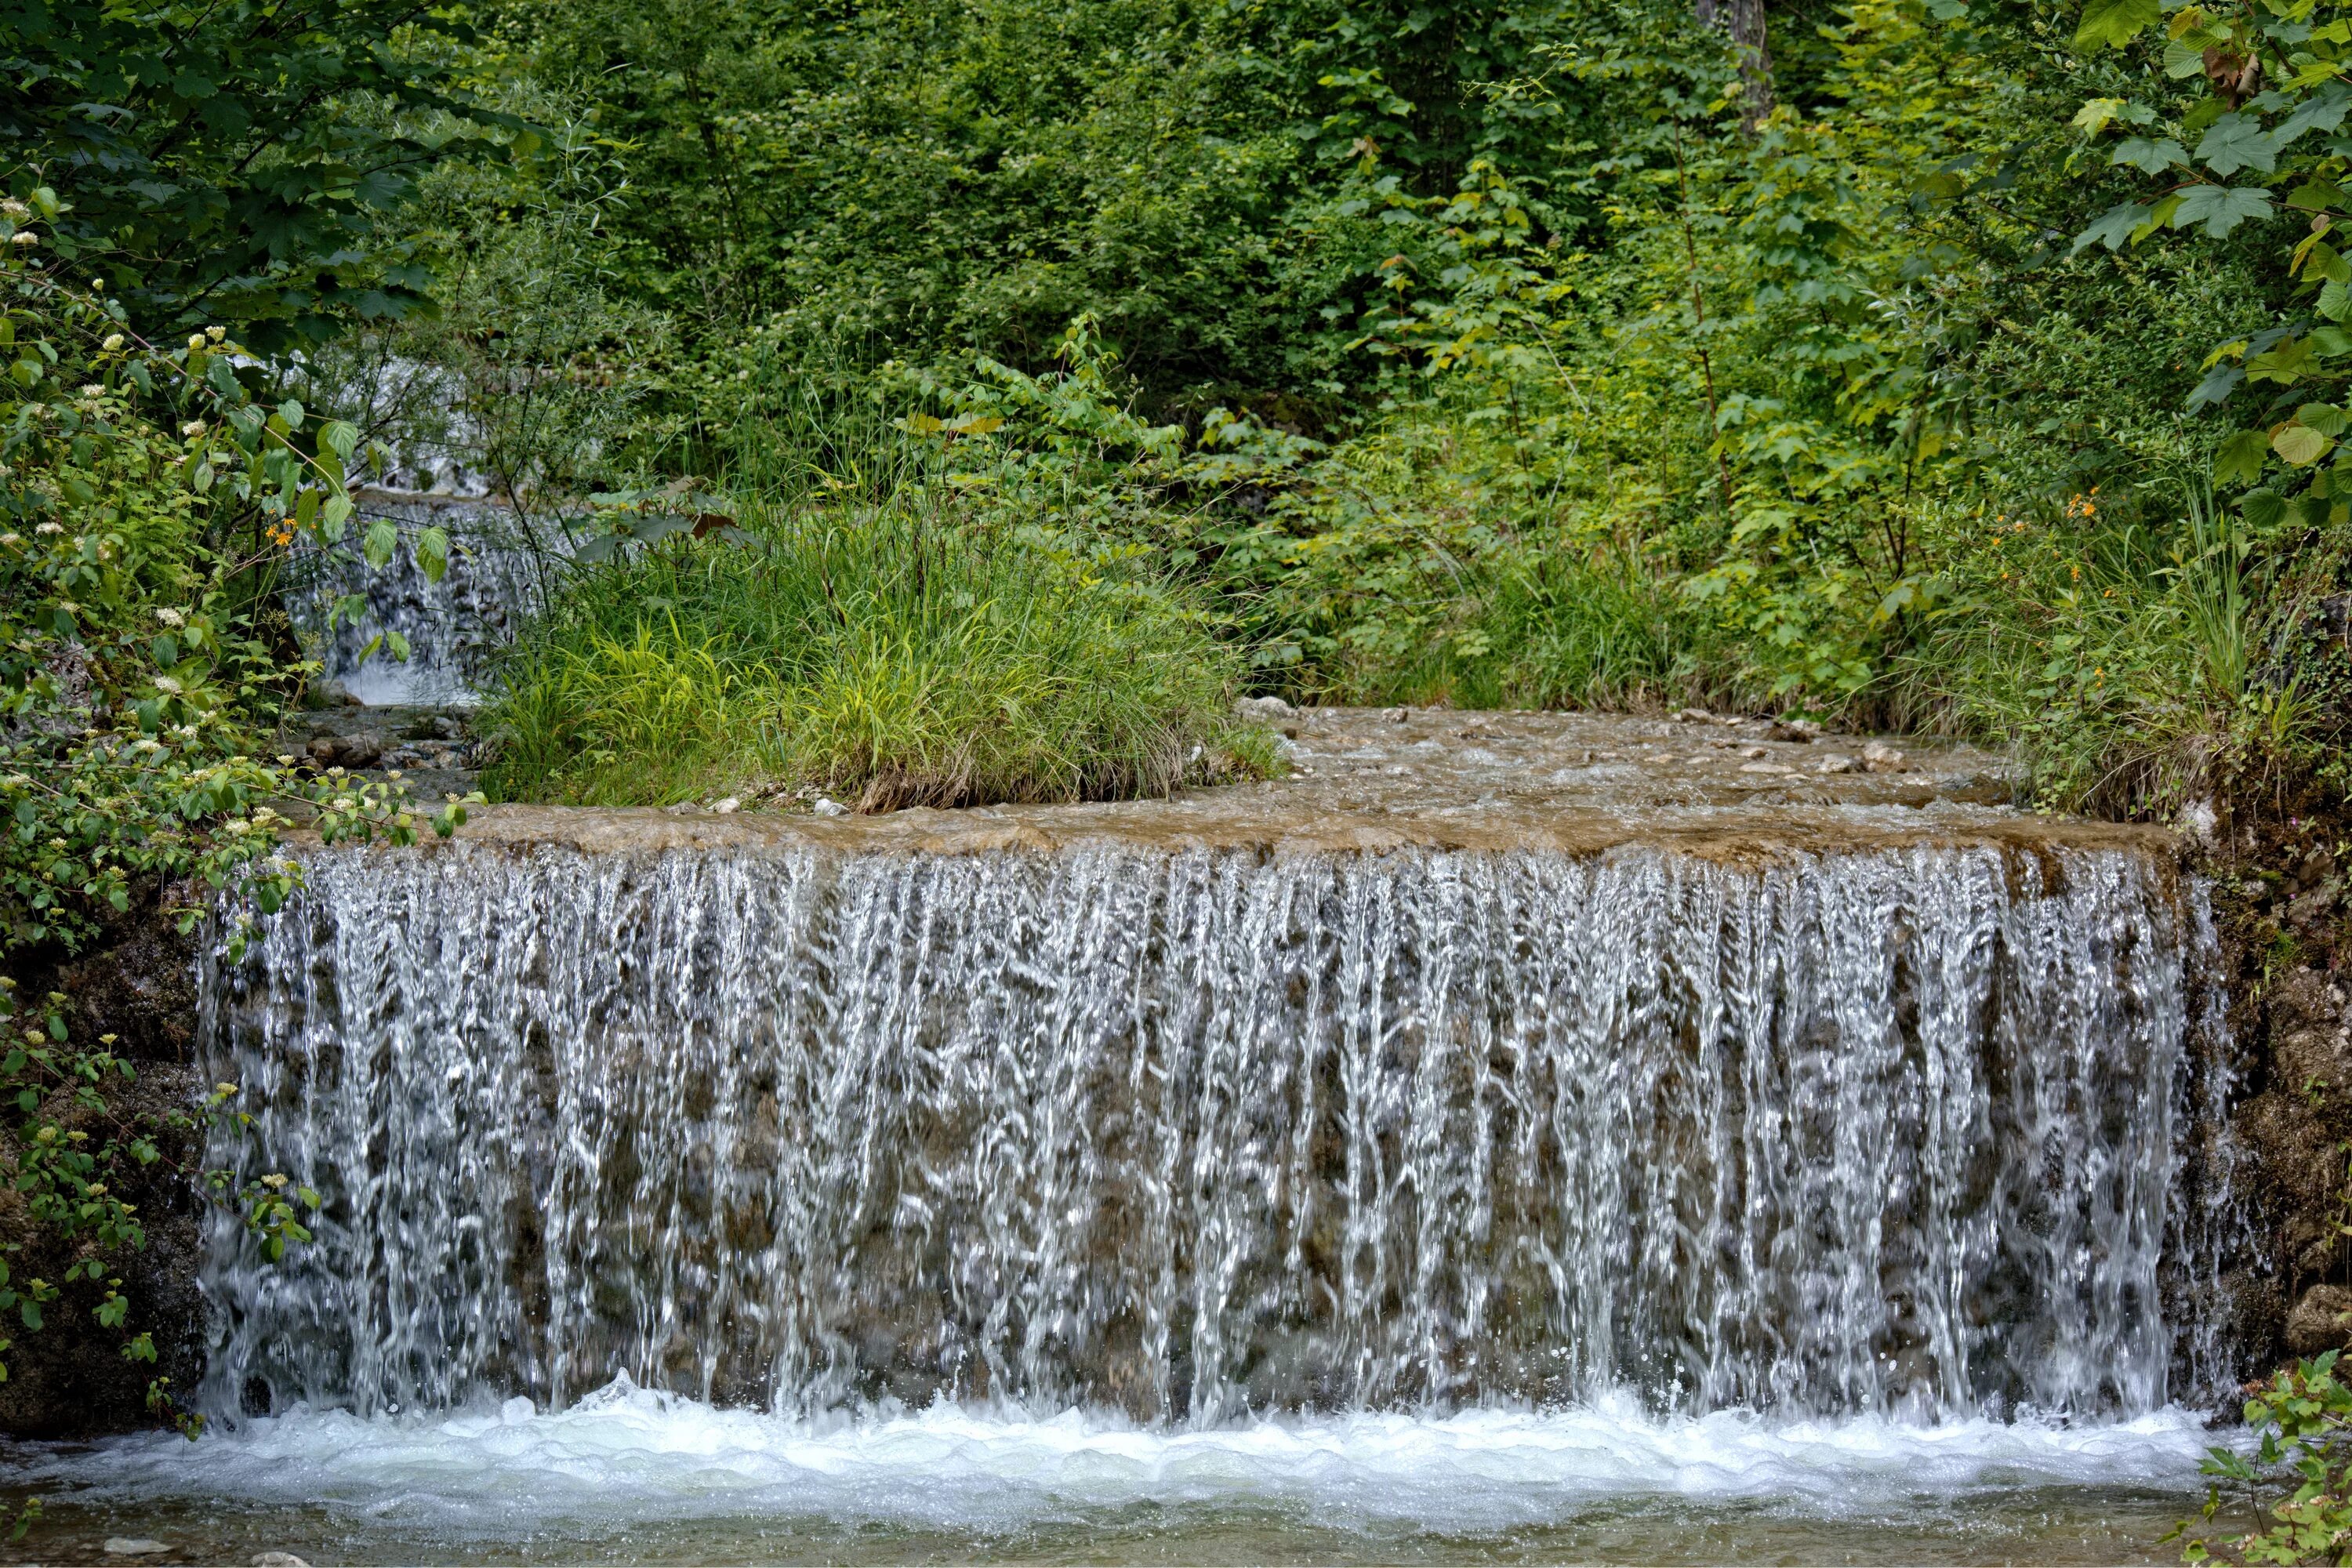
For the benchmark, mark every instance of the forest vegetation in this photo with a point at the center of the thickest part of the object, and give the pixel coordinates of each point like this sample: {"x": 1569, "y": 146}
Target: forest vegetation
{"x": 1916, "y": 363}
{"x": 945, "y": 401}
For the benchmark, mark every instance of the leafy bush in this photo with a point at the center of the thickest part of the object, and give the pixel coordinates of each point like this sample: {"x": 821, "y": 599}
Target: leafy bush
{"x": 146, "y": 499}
{"x": 2297, "y": 1484}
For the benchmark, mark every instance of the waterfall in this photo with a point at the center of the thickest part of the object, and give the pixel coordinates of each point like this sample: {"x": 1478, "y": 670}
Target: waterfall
{"x": 453, "y": 626}
{"x": 1188, "y": 1134}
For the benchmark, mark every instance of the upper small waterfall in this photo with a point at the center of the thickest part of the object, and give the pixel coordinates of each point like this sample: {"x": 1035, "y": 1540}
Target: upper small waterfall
{"x": 1187, "y": 1129}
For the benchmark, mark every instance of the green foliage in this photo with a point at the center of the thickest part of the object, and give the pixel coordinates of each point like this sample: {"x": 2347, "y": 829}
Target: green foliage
{"x": 72, "y": 1152}
{"x": 2296, "y": 1483}
{"x": 933, "y": 177}
{"x": 135, "y": 580}
{"x": 147, "y": 500}
{"x": 234, "y": 163}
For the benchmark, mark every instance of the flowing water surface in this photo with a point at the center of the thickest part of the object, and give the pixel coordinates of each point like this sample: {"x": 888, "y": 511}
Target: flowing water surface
{"x": 626, "y": 1474}
{"x": 1168, "y": 1202}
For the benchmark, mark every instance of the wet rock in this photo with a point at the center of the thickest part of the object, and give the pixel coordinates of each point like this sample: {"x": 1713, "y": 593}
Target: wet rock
{"x": 828, "y": 807}
{"x": 133, "y": 1546}
{"x": 277, "y": 1560}
{"x": 1695, "y": 716}
{"x": 1264, "y": 707}
{"x": 1838, "y": 764}
{"x": 2313, "y": 907}
{"x": 1799, "y": 732}
{"x": 432, "y": 727}
{"x": 360, "y": 749}
{"x": 1878, "y": 757}
{"x": 328, "y": 693}
{"x": 2321, "y": 1322}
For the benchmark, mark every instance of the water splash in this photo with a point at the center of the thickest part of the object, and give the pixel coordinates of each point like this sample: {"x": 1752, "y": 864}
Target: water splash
{"x": 1186, "y": 1135}
{"x": 625, "y": 1460}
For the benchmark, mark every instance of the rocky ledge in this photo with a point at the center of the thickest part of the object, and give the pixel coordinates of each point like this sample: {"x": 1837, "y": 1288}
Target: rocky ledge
{"x": 1374, "y": 779}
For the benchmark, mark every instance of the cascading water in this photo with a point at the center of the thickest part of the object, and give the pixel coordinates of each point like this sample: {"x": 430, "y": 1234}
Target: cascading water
{"x": 452, "y": 627}
{"x": 1179, "y": 1134}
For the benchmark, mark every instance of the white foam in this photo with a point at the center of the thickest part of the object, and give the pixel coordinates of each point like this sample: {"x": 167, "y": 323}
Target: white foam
{"x": 626, "y": 1454}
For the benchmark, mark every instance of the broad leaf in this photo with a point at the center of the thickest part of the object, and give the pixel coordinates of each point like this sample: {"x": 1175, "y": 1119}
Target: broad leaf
{"x": 2149, "y": 157}
{"x": 2114, "y": 23}
{"x": 2219, "y": 383}
{"x": 381, "y": 540}
{"x": 2299, "y": 444}
{"x": 2114, "y": 227}
{"x": 2237, "y": 141}
{"x": 2239, "y": 459}
{"x": 2220, "y": 209}
{"x": 432, "y": 553}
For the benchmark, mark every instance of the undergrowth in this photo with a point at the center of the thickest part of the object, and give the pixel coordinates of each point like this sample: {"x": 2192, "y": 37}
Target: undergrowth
{"x": 871, "y": 651}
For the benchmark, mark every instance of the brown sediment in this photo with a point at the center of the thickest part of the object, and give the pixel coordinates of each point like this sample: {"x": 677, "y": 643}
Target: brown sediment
{"x": 1365, "y": 781}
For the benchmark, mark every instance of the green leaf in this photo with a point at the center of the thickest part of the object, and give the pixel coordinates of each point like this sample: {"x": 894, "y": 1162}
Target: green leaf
{"x": 432, "y": 553}
{"x": 334, "y": 515}
{"x": 2095, "y": 115}
{"x": 341, "y": 437}
{"x": 2324, "y": 110}
{"x": 2113, "y": 227}
{"x": 2323, "y": 417}
{"x": 2149, "y": 157}
{"x": 2221, "y": 209}
{"x": 2299, "y": 444}
{"x": 381, "y": 540}
{"x": 2219, "y": 383}
{"x": 2239, "y": 459}
{"x": 2114, "y": 23}
{"x": 2237, "y": 141}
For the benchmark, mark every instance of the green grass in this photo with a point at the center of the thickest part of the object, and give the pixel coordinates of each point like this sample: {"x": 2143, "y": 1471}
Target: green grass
{"x": 886, "y": 655}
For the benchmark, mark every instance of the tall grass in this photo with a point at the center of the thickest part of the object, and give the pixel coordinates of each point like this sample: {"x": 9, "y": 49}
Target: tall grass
{"x": 2134, "y": 669}
{"x": 881, "y": 649}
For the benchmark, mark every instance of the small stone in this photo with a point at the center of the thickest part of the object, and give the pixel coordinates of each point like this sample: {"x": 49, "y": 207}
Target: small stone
{"x": 1754, "y": 753}
{"x": 1399, "y": 715}
{"x": 1694, "y": 716}
{"x": 726, "y": 806}
{"x": 1765, "y": 768}
{"x": 129, "y": 1546}
{"x": 828, "y": 807}
{"x": 2316, "y": 1324}
{"x": 1840, "y": 764}
{"x": 1879, "y": 757}
{"x": 1797, "y": 731}
{"x": 1264, "y": 707}
{"x": 277, "y": 1560}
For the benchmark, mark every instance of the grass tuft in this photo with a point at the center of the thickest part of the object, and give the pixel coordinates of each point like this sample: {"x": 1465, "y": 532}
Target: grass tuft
{"x": 883, "y": 656}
